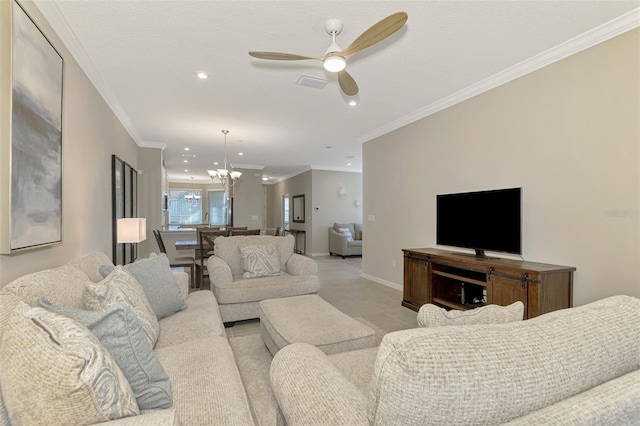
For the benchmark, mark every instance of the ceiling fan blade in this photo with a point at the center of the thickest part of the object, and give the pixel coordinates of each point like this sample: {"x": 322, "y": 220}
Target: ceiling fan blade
{"x": 347, "y": 83}
{"x": 280, "y": 56}
{"x": 377, "y": 32}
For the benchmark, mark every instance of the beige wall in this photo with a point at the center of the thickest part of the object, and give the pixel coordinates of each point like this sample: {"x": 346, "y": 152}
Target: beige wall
{"x": 568, "y": 134}
{"x": 297, "y": 185}
{"x": 331, "y": 208}
{"x": 150, "y": 184}
{"x": 247, "y": 200}
{"x": 320, "y": 188}
{"x": 90, "y": 135}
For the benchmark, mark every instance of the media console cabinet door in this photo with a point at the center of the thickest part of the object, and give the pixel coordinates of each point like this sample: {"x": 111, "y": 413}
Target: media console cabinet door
{"x": 417, "y": 282}
{"x": 505, "y": 291}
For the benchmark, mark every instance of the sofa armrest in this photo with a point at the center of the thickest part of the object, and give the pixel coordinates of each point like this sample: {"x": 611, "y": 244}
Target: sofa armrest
{"x": 301, "y": 265}
{"x": 182, "y": 282}
{"x": 219, "y": 270}
{"x": 166, "y": 417}
{"x": 311, "y": 390}
{"x": 337, "y": 242}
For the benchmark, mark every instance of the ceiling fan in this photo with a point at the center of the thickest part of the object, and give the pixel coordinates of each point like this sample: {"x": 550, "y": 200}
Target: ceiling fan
{"x": 334, "y": 57}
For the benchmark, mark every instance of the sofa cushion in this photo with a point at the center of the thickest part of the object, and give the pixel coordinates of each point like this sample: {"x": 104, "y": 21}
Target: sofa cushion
{"x": 349, "y": 226}
{"x": 434, "y": 316}
{"x": 256, "y": 289}
{"x": 260, "y": 261}
{"x": 120, "y": 287}
{"x": 56, "y": 372}
{"x": 62, "y": 286}
{"x": 346, "y": 232}
{"x": 90, "y": 265}
{"x": 228, "y": 249}
{"x": 200, "y": 319}
{"x": 207, "y": 388}
{"x": 494, "y": 373}
{"x": 120, "y": 332}
{"x": 158, "y": 282}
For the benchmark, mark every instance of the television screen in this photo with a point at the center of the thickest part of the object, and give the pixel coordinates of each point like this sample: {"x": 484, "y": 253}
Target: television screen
{"x": 484, "y": 220}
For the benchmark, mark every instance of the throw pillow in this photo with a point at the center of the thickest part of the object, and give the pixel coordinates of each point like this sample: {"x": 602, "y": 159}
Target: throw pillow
{"x": 121, "y": 334}
{"x": 120, "y": 287}
{"x": 260, "y": 261}
{"x": 434, "y": 316}
{"x": 346, "y": 232}
{"x": 54, "y": 371}
{"x": 158, "y": 282}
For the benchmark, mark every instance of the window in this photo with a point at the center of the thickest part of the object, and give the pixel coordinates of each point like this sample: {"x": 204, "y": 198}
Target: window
{"x": 185, "y": 206}
{"x": 285, "y": 211}
{"x": 217, "y": 208}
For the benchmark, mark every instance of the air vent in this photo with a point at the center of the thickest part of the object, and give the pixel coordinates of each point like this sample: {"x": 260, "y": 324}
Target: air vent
{"x": 311, "y": 81}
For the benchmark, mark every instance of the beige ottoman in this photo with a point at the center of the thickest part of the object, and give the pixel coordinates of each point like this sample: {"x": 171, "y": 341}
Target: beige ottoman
{"x": 309, "y": 319}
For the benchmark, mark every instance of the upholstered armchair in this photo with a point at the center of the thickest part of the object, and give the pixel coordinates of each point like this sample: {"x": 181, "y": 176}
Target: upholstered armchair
{"x": 345, "y": 239}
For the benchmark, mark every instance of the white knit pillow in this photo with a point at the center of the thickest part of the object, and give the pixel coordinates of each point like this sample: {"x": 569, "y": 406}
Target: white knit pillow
{"x": 120, "y": 287}
{"x": 435, "y": 316}
{"x": 260, "y": 261}
{"x": 55, "y": 371}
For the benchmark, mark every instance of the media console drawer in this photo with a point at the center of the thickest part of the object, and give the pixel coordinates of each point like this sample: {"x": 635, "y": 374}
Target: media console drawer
{"x": 460, "y": 281}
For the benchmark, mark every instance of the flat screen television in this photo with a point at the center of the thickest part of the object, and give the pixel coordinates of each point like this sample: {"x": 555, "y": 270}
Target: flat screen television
{"x": 483, "y": 220}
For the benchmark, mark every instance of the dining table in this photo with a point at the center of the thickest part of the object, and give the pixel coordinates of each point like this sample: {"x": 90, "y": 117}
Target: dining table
{"x": 187, "y": 245}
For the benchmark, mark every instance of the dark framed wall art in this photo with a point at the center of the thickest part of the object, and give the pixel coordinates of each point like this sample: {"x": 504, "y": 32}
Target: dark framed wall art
{"x": 124, "y": 184}
{"x": 31, "y": 89}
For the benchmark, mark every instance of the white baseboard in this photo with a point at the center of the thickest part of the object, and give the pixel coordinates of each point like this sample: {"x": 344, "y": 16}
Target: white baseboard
{"x": 383, "y": 282}
{"x": 319, "y": 254}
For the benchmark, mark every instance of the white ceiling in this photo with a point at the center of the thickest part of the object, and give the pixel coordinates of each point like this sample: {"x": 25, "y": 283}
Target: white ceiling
{"x": 142, "y": 55}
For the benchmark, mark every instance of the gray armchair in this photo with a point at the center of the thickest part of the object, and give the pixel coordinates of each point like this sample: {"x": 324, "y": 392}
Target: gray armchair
{"x": 345, "y": 239}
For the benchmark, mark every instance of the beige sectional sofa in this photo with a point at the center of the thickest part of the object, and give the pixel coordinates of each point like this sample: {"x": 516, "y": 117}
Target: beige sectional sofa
{"x": 238, "y": 297}
{"x": 192, "y": 347}
{"x": 578, "y": 366}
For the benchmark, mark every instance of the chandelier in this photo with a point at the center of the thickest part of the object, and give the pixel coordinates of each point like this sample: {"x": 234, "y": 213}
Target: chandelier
{"x": 192, "y": 196}
{"x": 224, "y": 176}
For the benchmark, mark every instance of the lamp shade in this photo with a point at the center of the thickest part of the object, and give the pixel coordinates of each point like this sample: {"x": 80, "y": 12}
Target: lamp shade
{"x": 132, "y": 230}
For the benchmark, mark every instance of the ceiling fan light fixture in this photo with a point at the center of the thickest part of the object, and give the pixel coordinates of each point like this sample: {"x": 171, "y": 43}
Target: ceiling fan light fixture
{"x": 334, "y": 63}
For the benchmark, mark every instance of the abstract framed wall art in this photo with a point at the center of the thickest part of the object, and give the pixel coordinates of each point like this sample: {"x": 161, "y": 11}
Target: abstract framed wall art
{"x": 31, "y": 87}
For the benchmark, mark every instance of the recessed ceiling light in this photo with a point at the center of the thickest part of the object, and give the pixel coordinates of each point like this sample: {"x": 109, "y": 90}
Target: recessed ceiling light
{"x": 186, "y": 149}
{"x": 202, "y": 75}
{"x": 265, "y": 177}
{"x": 240, "y": 153}
{"x": 215, "y": 163}
{"x": 185, "y": 161}
{"x": 185, "y": 170}
{"x": 348, "y": 164}
{"x": 353, "y": 103}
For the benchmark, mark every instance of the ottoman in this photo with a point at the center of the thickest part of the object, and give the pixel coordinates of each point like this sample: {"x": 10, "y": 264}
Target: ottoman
{"x": 310, "y": 319}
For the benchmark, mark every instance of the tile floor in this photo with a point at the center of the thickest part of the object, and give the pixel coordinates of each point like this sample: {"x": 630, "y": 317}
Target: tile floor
{"x": 343, "y": 287}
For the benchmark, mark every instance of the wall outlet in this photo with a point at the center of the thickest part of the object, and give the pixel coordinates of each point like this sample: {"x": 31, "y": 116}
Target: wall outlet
{"x": 371, "y": 218}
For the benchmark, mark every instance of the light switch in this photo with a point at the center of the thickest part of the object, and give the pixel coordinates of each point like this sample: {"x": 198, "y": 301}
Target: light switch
{"x": 254, "y": 217}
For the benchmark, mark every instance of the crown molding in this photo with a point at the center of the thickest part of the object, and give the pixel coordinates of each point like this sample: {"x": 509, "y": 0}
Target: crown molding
{"x": 54, "y": 17}
{"x": 337, "y": 169}
{"x": 151, "y": 144}
{"x": 597, "y": 35}
{"x": 247, "y": 166}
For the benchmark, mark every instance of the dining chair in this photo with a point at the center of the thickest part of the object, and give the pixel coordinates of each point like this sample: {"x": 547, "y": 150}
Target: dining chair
{"x": 237, "y": 228}
{"x": 236, "y": 232}
{"x": 206, "y": 238}
{"x": 178, "y": 262}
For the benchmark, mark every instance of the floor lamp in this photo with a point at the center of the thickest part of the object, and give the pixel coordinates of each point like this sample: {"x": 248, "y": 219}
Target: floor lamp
{"x": 132, "y": 230}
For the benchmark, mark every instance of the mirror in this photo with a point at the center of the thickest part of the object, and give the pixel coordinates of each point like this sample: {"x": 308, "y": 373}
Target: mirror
{"x": 298, "y": 208}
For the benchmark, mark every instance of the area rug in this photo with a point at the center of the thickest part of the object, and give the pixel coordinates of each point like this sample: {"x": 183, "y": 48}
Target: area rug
{"x": 253, "y": 360}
